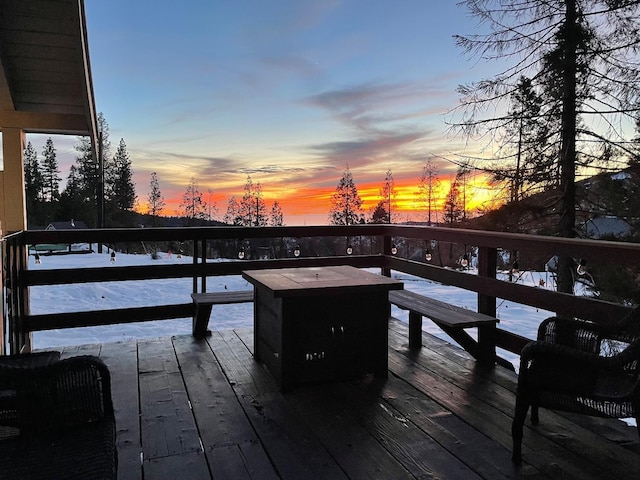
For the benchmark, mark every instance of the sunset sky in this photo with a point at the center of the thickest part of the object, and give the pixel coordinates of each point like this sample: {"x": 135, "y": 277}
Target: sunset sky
{"x": 289, "y": 92}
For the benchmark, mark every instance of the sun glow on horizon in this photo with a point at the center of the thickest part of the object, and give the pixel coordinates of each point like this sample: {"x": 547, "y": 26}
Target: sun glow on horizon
{"x": 301, "y": 204}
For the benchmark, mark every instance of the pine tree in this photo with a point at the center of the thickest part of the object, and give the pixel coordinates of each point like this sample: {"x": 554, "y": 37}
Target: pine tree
{"x": 253, "y": 210}
{"x": 388, "y": 194}
{"x": 155, "y": 200}
{"x": 453, "y": 210}
{"x": 90, "y": 176}
{"x": 121, "y": 187}
{"x": 276, "y": 218}
{"x": 429, "y": 188}
{"x": 72, "y": 201}
{"x": 581, "y": 54}
{"x": 193, "y": 207}
{"x": 379, "y": 213}
{"x": 232, "y": 216}
{"x": 50, "y": 173}
{"x": 346, "y": 204}
{"x": 525, "y": 158}
{"x": 33, "y": 184}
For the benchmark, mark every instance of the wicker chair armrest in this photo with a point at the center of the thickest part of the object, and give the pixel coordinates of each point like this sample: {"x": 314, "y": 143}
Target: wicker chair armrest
{"x": 574, "y": 333}
{"x": 63, "y": 395}
{"x": 556, "y": 352}
{"x": 563, "y": 368}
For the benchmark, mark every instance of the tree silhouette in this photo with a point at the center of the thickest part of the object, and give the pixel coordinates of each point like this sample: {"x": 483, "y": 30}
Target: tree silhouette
{"x": 582, "y": 54}
{"x": 429, "y": 188}
{"x": 252, "y": 211}
{"x": 346, "y": 204}
{"x": 155, "y": 199}
{"x": 192, "y": 205}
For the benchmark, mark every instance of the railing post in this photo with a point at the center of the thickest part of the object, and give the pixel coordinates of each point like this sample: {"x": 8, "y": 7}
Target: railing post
{"x": 386, "y": 249}
{"x": 195, "y": 266}
{"x": 203, "y": 260}
{"x": 487, "y": 267}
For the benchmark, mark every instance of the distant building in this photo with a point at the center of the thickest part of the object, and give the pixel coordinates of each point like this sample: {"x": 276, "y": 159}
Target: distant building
{"x": 68, "y": 225}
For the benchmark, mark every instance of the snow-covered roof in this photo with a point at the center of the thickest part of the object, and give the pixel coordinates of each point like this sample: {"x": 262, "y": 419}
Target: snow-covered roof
{"x": 68, "y": 225}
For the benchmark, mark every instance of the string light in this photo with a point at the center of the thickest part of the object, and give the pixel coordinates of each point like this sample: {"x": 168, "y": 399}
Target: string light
{"x": 349, "y": 249}
{"x": 394, "y": 249}
{"x": 582, "y": 267}
{"x": 427, "y": 255}
{"x": 241, "y": 253}
{"x": 296, "y": 251}
{"x": 465, "y": 261}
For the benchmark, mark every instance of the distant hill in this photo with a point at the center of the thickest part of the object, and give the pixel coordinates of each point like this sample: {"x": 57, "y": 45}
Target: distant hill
{"x": 608, "y": 207}
{"x": 144, "y": 220}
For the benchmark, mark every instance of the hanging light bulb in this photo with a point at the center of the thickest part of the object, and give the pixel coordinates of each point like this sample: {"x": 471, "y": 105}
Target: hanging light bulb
{"x": 296, "y": 251}
{"x": 465, "y": 261}
{"x": 37, "y": 258}
{"x": 241, "y": 253}
{"x": 349, "y": 249}
{"x": 427, "y": 255}
{"x": 582, "y": 267}
{"x": 394, "y": 249}
{"x": 113, "y": 256}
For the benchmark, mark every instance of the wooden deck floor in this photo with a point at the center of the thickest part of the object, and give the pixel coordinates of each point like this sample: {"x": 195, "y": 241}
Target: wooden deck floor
{"x": 199, "y": 410}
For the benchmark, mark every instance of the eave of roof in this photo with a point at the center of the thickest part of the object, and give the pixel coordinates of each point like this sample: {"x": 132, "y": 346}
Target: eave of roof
{"x": 45, "y": 71}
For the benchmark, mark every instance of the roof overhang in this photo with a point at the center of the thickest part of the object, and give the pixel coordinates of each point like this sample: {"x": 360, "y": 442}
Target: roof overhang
{"x": 45, "y": 73}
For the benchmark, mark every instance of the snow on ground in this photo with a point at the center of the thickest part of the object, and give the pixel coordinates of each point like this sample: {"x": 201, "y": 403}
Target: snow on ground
{"x": 520, "y": 319}
{"x": 91, "y": 296}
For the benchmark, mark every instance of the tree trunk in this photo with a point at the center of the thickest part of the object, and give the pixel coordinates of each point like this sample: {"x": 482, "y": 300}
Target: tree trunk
{"x": 568, "y": 145}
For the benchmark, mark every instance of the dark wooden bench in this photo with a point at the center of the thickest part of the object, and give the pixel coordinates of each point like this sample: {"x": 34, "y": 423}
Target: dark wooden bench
{"x": 452, "y": 319}
{"x": 204, "y": 302}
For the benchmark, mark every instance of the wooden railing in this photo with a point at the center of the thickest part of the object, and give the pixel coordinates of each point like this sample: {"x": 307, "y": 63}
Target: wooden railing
{"x": 373, "y": 249}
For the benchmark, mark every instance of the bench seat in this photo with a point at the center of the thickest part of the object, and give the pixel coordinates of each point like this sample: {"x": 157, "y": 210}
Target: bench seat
{"x": 451, "y": 318}
{"x": 204, "y": 302}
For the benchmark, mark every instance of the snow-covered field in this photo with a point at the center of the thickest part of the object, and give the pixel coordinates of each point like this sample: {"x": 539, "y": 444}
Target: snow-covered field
{"x": 516, "y": 318}
{"x": 77, "y": 297}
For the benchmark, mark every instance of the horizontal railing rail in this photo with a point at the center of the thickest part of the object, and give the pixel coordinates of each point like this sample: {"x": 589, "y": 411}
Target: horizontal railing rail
{"x": 380, "y": 238}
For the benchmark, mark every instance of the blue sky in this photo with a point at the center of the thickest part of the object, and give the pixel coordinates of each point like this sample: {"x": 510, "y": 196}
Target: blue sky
{"x": 289, "y": 92}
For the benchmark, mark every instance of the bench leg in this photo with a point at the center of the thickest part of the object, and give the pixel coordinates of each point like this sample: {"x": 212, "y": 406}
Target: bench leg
{"x": 415, "y": 330}
{"x": 201, "y": 321}
{"x": 487, "y": 345}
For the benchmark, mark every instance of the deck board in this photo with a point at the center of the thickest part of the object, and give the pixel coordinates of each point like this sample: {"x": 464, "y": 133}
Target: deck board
{"x": 205, "y": 409}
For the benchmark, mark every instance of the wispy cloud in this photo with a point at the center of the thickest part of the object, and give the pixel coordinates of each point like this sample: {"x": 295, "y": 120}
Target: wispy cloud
{"x": 365, "y": 150}
{"x": 373, "y": 107}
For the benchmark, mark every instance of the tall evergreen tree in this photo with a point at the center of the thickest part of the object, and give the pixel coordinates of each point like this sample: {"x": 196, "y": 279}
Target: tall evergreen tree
{"x": 253, "y": 210}
{"x": 525, "y": 158}
{"x": 73, "y": 205}
{"x": 388, "y": 194}
{"x": 276, "y": 217}
{"x": 89, "y": 175}
{"x": 193, "y": 207}
{"x": 429, "y": 188}
{"x": 155, "y": 200}
{"x": 33, "y": 185}
{"x": 379, "y": 213}
{"x": 50, "y": 173}
{"x": 453, "y": 209}
{"x": 232, "y": 215}
{"x": 584, "y": 54}
{"x": 122, "y": 188}
{"x": 346, "y": 204}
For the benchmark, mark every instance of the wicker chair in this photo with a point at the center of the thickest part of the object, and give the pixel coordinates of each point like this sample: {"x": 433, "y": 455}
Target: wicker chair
{"x": 56, "y": 419}
{"x": 581, "y": 367}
